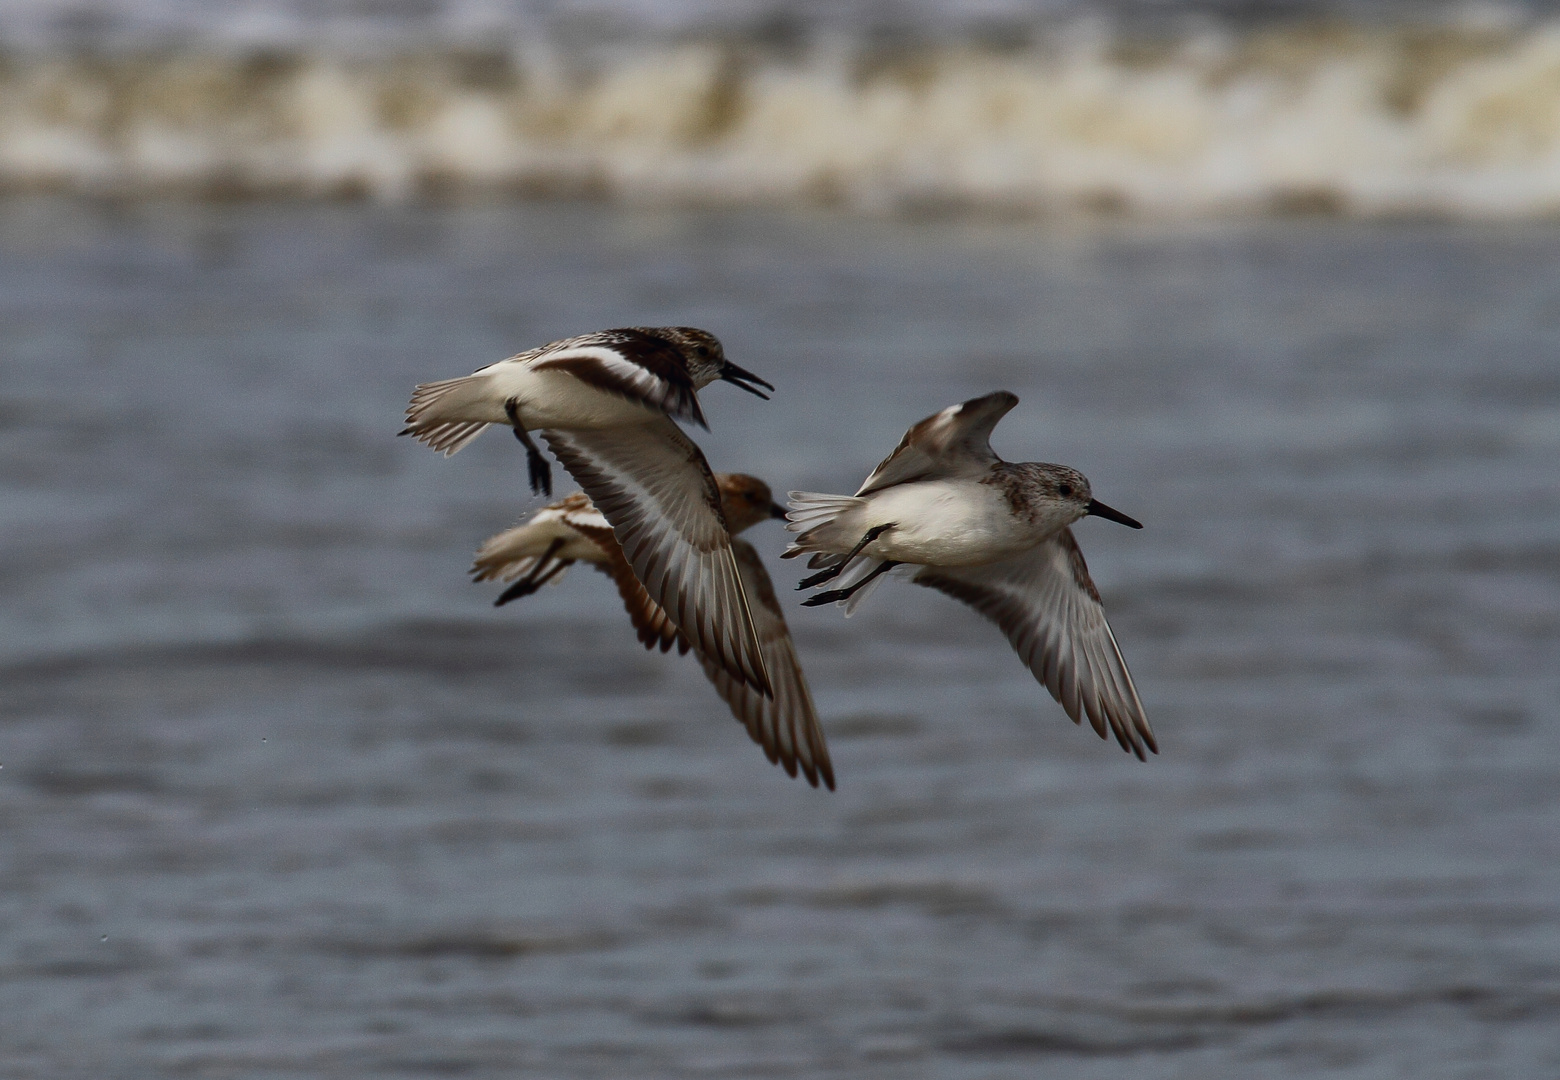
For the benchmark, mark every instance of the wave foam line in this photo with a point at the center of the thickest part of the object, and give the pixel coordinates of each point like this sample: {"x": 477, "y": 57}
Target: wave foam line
{"x": 1453, "y": 122}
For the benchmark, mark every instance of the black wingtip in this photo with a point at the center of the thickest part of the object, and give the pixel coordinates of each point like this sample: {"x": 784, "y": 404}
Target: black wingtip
{"x": 1005, "y": 398}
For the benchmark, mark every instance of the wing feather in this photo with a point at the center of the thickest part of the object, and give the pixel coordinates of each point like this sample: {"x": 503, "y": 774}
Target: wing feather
{"x": 953, "y": 442}
{"x": 652, "y": 624}
{"x": 1047, "y": 605}
{"x": 786, "y": 725}
{"x": 653, "y": 484}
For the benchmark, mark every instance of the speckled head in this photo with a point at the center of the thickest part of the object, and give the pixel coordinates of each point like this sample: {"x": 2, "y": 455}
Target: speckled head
{"x": 1061, "y": 494}
{"x": 707, "y": 359}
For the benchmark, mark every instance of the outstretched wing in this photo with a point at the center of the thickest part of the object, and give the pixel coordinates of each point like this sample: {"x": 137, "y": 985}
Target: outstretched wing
{"x": 1047, "y": 605}
{"x": 954, "y": 442}
{"x": 651, "y": 622}
{"x": 653, "y": 484}
{"x": 786, "y": 725}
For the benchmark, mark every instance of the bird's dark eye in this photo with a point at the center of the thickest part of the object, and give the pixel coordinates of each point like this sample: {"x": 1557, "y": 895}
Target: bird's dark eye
{"x": 1065, "y": 491}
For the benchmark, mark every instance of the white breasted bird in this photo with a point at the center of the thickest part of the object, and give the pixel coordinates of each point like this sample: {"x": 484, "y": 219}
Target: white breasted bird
{"x": 610, "y": 378}
{"x": 539, "y": 550}
{"x": 994, "y": 534}
{"x": 605, "y": 404}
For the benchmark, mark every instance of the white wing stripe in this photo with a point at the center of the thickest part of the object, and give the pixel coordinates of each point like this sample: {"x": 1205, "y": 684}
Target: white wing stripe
{"x": 631, "y": 373}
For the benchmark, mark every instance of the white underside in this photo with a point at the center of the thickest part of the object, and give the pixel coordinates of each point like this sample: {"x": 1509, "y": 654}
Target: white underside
{"x": 937, "y": 523}
{"x": 535, "y": 537}
{"x": 545, "y": 399}
{"x": 515, "y": 551}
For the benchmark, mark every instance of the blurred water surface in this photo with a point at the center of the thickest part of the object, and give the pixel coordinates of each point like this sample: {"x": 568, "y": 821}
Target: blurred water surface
{"x": 282, "y": 795}
{"x": 1164, "y": 108}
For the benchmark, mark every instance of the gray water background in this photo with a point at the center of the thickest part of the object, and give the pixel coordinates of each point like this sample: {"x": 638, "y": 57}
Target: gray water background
{"x": 283, "y": 796}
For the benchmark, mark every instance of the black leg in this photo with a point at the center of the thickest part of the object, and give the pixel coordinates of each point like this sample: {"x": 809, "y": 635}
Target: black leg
{"x": 838, "y": 568}
{"x": 536, "y": 465}
{"x": 530, "y": 585}
{"x": 535, "y": 579}
{"x": 834, "y": 595}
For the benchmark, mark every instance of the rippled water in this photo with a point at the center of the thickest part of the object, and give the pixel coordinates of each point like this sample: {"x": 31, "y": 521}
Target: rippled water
{"x": 282, "y": 795}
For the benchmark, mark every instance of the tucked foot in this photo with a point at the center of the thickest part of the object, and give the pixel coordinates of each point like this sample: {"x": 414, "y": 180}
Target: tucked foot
{"x": 540, "y": 472}
{"x": 836, "y": 595}
{"x": 821, "y": 576}
{"x": 540, "y": 575}
{"x": 838, "y": 568}
{"x": 826, "y": 598}
{"x": 528, "y": 585}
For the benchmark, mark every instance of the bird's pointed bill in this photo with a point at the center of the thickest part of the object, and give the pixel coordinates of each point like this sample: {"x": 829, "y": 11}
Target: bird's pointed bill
{"x": 745, "y": 379}
{"x": 1099, "y": 509}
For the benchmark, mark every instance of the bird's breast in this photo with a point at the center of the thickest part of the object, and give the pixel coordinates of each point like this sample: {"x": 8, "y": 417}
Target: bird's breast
{"x": 948, "y": 523}
{"x": 553, "y": 398}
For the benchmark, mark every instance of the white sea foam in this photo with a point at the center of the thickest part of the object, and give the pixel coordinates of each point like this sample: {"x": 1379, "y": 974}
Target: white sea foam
{"x": 1462, "y": 121}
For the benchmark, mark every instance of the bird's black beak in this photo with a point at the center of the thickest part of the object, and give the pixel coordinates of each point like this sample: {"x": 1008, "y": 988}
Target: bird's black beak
{"x": 777, "y": 511}
{"x": 1099, "y": 509}
{"x": 745, "y": 379}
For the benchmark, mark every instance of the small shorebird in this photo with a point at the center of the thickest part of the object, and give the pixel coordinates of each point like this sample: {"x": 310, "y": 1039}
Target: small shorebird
{"x": 538, "y": 551}
{"x": 605, "y": 403}
{"x": 610, "y": 378}
{"x": 993, "y": 534}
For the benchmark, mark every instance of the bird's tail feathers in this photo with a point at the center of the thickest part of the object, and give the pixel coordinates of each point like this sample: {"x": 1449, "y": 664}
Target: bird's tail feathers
{"x": 433, "y": 416}
{"x": 809, "y": 509}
